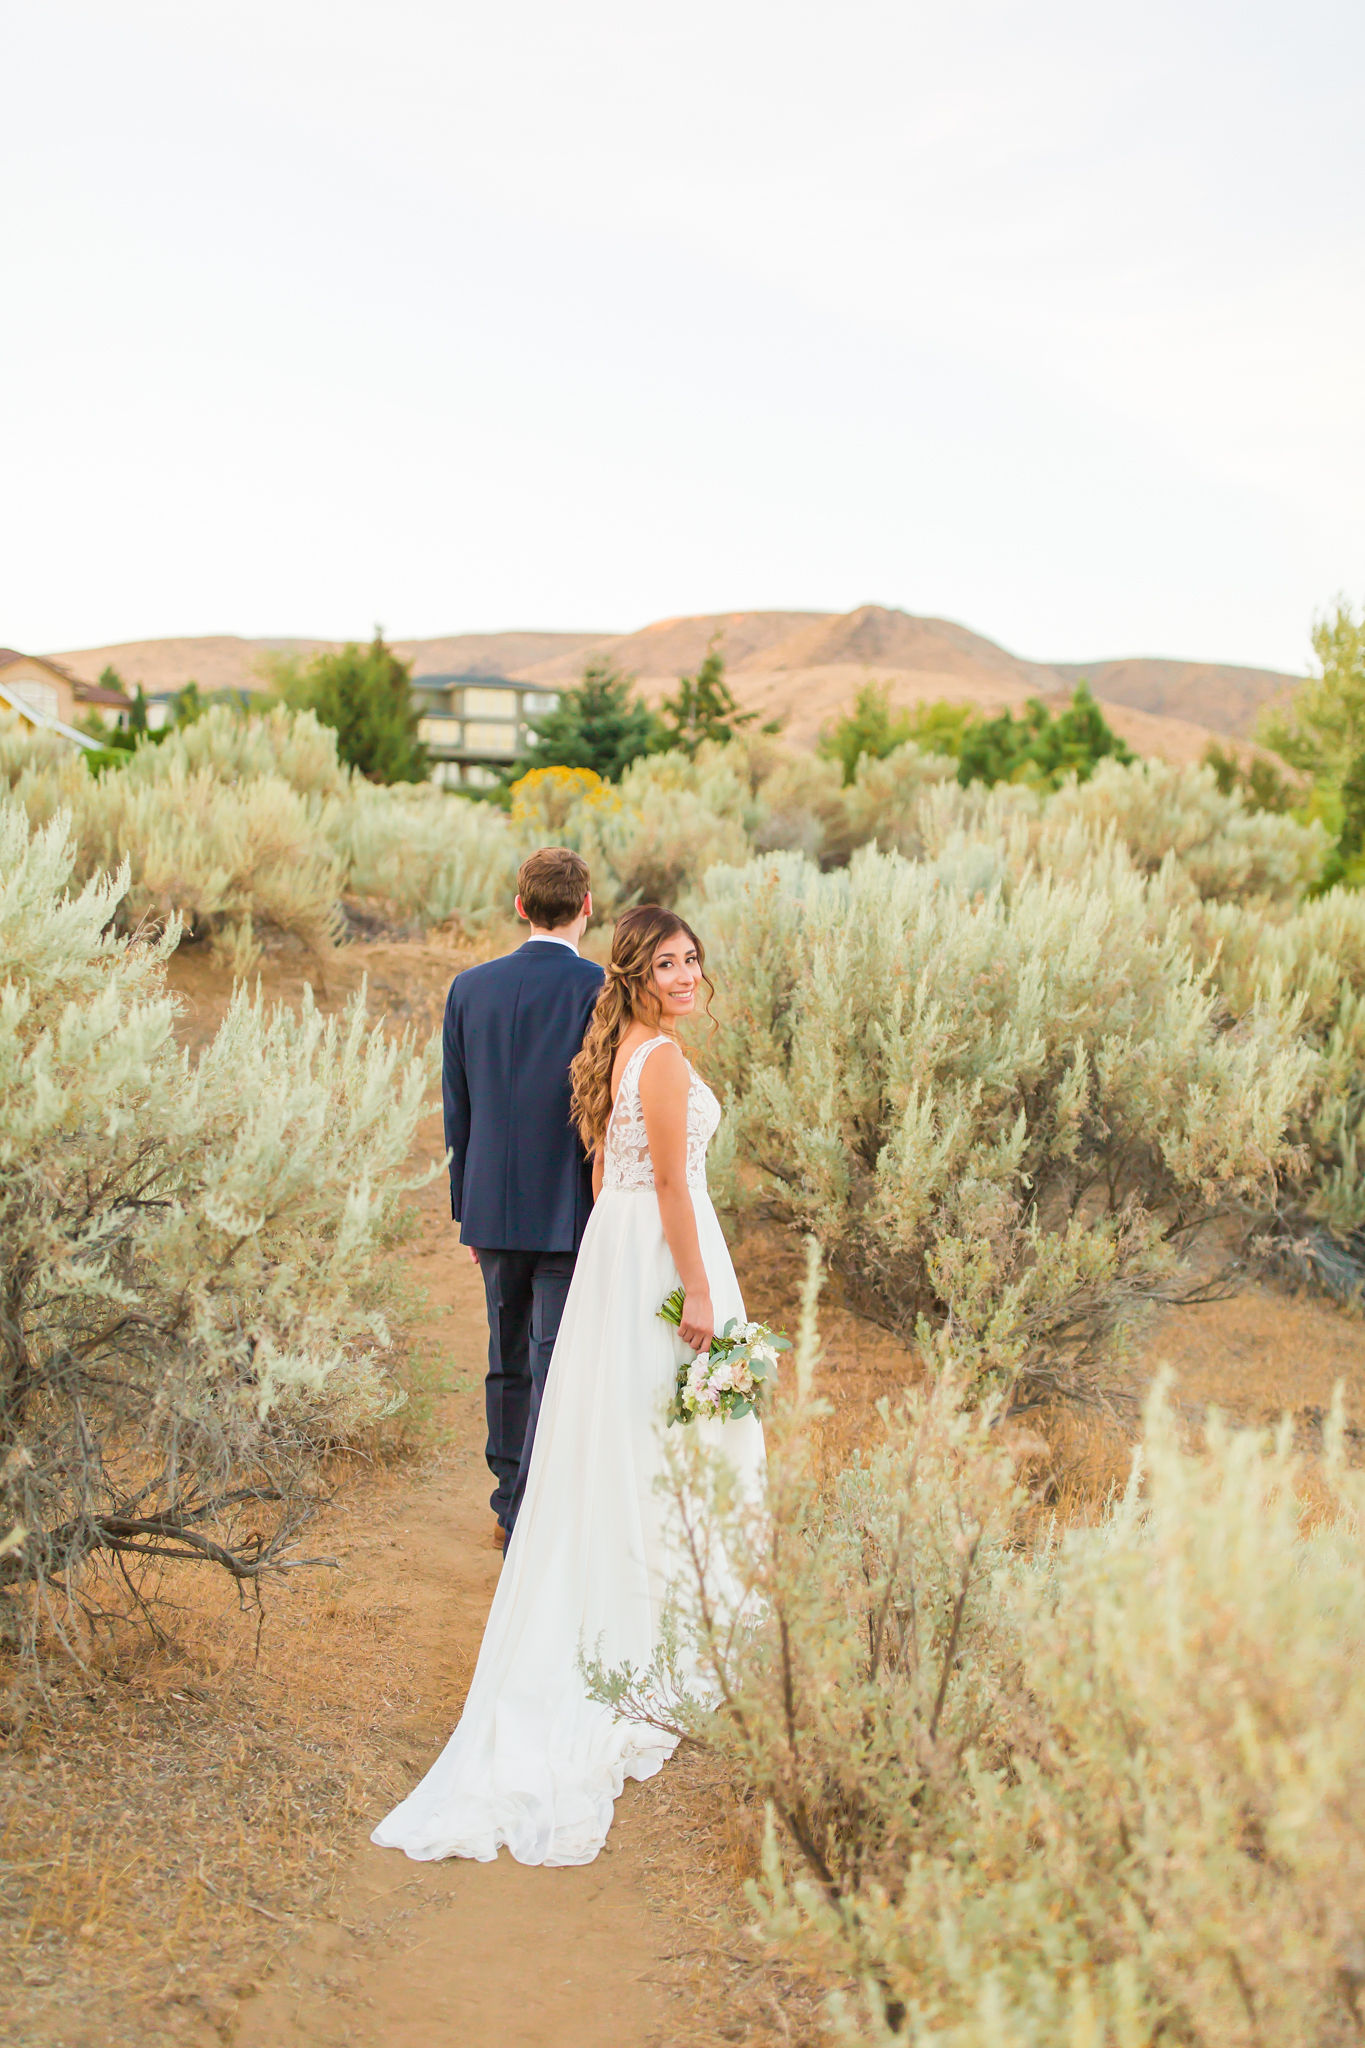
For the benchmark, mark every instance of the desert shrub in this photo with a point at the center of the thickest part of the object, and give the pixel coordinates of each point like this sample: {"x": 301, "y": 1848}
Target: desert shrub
{"x": 886, "y": 798}
{"x": 1000, "y": 1110}
{"x": 1106, "y": 1790}
{"x": 421, "y": 855}
{"x": 1221, "y": 847}
{"x": 191, "y": 1290}
{"x": 252, "y": 827}
{"x": 232, "y": 859}
{"x": 652, "y": 851}
{"x": 1311, "y": 960}
{"x": 803, "y": 809}
{"x": 292, "y": 745}
{"x": 719, "y": 782}
{"x": 646, "y": 838}
{"x": 1216, "y": 846}
{"x": 549, "y": 802}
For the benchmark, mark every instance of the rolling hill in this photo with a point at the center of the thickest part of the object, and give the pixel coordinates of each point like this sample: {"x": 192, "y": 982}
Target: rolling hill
{"x": 801, "y": 667}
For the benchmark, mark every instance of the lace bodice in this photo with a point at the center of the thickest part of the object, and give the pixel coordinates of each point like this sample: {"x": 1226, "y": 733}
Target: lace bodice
{"x": 627, "y": 1163}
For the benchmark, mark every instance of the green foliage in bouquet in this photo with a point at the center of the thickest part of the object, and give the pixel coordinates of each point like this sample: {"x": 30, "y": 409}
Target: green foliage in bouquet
{"x": 729, "y": 1380}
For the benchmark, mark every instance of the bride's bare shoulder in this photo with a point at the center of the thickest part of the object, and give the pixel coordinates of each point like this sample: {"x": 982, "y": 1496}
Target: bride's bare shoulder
{"x": 631, "y": 1043}
{"x": 665, "y": 1072}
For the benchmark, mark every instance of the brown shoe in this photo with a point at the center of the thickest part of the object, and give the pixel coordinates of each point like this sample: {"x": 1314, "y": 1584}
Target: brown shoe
{"x": 499, "y": 1536}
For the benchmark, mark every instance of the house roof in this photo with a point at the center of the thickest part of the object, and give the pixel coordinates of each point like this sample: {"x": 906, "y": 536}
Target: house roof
{"x": 86, "y": 693}
{"x": 12, "y": 654}
{"x": 92, "y": 693}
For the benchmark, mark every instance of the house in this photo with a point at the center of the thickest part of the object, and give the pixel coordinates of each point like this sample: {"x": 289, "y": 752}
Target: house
{"x": 475, "y": 726}
{"x": 45, "y": 694}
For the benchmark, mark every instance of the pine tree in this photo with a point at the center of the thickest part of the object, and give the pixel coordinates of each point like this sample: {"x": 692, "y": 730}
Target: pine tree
{"x": 705, "y": 707}
{"x": 597, "y": 724}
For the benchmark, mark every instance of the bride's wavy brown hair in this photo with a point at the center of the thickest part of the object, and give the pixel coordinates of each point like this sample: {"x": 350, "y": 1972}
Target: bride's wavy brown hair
{"x": 627, "y": 993}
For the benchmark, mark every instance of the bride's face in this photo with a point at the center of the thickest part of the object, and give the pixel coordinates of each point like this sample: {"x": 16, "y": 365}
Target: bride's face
{"x": 677, "y": 977}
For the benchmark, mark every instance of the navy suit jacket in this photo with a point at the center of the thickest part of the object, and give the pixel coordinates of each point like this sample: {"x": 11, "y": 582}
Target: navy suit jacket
{"x": 519, "y": 1177}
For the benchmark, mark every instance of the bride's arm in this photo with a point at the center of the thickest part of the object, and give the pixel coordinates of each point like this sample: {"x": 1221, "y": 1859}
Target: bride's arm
{"x": 598, "y": 1165}
{"x": 663, "y": 1098}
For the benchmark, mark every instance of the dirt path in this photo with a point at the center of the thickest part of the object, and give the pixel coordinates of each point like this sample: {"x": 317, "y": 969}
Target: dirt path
{"x": 411, "y": 1955}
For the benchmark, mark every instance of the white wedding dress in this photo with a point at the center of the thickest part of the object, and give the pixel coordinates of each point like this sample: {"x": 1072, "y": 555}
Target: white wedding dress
{"x": 535, "y": 1765}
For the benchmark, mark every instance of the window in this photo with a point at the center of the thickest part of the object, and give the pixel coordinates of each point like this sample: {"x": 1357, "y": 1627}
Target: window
{"x": 536, "y": 702}
{"x": 480, "y": 703}
{"x": 39, "y": 697}
{"x": 491, "y": 739}
{"x": 439, "y": 732}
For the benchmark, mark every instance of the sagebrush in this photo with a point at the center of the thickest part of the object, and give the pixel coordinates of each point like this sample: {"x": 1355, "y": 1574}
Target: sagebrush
{"x": 1106, "y": 1788}
{"x": 192, "y": 1289}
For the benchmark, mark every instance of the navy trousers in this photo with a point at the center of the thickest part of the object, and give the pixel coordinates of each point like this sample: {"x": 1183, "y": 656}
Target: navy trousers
{"x": 525, "y": 1292}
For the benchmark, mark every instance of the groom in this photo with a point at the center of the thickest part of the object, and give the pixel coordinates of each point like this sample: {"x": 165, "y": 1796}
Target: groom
{"x": 520, "y": 1183}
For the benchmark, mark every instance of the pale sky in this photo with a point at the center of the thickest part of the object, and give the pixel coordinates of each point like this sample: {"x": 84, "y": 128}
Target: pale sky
{"x": 1046, "y": 317}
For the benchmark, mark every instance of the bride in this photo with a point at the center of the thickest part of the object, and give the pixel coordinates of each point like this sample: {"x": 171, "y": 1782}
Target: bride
{"x": 535, "y": 1764}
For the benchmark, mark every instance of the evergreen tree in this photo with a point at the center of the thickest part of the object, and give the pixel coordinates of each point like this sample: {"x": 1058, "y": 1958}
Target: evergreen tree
{"x": 1260, "y": 785}
{"x": 869, "y": 728}
{"x": 1322, "y": 734}
{"x": 187, "y": 704}
{"x": 1323, "y": 730}
{"x": 137, "y": 717}
{"x": 705, "y": 707}
{"x": 1036, "y": 747}
{"x": 365, "y": 695}
{"x": 597, "y": 724}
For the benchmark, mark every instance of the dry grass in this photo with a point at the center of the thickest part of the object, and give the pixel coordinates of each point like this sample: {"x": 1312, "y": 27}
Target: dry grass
{"x": 172, "y": 1806}
{"x": 704, "y": 1840}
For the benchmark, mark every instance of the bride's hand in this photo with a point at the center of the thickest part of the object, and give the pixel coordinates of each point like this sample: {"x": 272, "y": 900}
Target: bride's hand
{"x": 698, "y": 1324}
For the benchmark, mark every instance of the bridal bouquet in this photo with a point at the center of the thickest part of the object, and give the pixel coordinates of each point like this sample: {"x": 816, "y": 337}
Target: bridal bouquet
{"x": 729, "y": 1379}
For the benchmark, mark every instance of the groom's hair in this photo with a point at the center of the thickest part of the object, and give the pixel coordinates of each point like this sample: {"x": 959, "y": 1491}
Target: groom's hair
{"x": 552, "y": 883}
